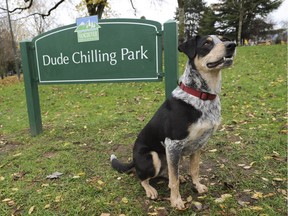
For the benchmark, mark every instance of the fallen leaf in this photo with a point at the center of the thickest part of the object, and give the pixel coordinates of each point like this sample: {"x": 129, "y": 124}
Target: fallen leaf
{"x": 223, "y": 198}
{"x": 243, "y": 203}
{"x": 159, "y": 211}
{"x": 31, "y": 210}
{"x": 58, "y": 198}
{"x": 18, "y": 175}
{"x": 81, "y": 174}
{"x": 105, "y": 214}
{"x": 17, "y": 155}
{"x": 47, "y": 206}
{"x": 2, "y": 178}
{"x": 276, "y": 153}
{"x": 257, "y": 195}
{"x": 278, "y": 179}
{"x": 202, "y": 197}
{"x": 54, "y": 175}
{"x": 247, "y": 167}
{"x": 141, "y": 118}
{"x": 198, "y": 205}
{"x": 124, "y": 200}
{"x": 256, "y": 208}
{"x": 267, "y": 157}
{"x": 6, "y": 200}
{"x": 9, "y": 201}
{"x": 282, "y": 191}
{"x": 189, "y": 199}
{"x": 100, "y": 182}
{"x": 213, "y": 150}
{"x": 269, "y": 195}
{"x": 226, "y": 196}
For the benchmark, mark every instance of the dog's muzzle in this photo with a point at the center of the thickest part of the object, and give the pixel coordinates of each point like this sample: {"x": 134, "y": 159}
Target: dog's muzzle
{"x": 227, "y": 60}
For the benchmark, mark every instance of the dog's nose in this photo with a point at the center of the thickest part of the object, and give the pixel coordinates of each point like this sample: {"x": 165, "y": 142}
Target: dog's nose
{"x": 230, "y": 46}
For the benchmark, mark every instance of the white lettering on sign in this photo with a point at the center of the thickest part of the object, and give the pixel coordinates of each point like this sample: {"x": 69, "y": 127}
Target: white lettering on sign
{"x": 133, "y": 55}
{"x": 60, "y": 60}
{"x": 95, "y": 56}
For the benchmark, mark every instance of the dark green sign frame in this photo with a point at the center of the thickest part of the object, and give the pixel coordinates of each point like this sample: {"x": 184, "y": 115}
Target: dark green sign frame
{"x": 125, "y": 50}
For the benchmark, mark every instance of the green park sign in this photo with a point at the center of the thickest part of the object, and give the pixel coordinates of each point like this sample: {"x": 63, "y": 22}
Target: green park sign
{"x": 109, "y": 50}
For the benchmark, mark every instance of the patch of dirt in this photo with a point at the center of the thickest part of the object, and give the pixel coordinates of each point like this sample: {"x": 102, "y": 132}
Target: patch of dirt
{"x": 122, "y": 151}
{"x": 8, "y": 145}
{"x": 50, "y": 155}
{"x": 10, "y": 80}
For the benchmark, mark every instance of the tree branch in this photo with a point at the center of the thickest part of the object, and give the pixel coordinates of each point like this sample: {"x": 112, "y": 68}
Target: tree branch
{"x": 29, "y": 6}
{"x": 51, "y": 9}
{"x": 132, "y": 5}
{"x": 19, "y": 8}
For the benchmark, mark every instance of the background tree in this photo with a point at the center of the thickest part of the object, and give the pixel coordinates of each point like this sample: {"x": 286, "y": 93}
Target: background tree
{"x": 258, "y": 28}
{"x": 193, "y": 12}
{"x": 6, "y": 51}
{"x": 208, "y": 22}
{"x": 96, "y": 7}
{"x": 237, "y": 15}
{"x": 181, "y": 19}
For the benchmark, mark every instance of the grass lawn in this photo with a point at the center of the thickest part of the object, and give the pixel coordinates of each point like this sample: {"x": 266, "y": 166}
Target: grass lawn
{"x": 244, "y": 164}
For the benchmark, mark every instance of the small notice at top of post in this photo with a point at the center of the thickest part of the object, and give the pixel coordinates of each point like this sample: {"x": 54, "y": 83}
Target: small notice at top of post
{"x": 87, "y": 29}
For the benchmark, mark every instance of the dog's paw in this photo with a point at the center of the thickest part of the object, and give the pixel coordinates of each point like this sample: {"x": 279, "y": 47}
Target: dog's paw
{"x": 151, "y": 193}
{"x": 201, "y": 188}
{"x": 177, "y": 203}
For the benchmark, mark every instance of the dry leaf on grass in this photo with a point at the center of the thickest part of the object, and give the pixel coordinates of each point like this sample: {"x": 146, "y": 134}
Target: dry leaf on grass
{"x": 9, "y": 202}
{"x": 54, "y": 175}
{"x": 223, "y": 198}
{"x": 189, "y": 199}
{"x": 257, "y": 195}
{"x": 31, "y": 210}
{"x": 256, "y": 208}
{"x": 124, "y": 200}
{"x": 212, "y": 150}
{"x": 198, "y": 205}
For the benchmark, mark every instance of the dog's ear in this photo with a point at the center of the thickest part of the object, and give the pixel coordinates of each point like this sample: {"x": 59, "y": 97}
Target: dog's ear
{"x": 189, "y": 47}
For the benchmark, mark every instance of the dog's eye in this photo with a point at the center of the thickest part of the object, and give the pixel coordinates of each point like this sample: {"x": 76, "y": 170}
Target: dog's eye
{"x": 207, "y": 43}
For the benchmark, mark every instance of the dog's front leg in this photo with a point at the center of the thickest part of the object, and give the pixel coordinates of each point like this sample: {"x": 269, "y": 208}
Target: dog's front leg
{"x": 194, "y": 171}
{"x": 173, "y": 154}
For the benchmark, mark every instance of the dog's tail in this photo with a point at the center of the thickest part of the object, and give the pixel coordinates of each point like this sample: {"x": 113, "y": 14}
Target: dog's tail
{"x": 121, "y": 167}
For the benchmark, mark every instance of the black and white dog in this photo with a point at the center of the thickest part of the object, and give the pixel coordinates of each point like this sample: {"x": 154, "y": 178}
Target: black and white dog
{"x": 185, "y": 121}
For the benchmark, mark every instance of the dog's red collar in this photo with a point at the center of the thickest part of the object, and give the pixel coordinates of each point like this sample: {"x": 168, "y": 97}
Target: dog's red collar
{"x": 202, "y": 95}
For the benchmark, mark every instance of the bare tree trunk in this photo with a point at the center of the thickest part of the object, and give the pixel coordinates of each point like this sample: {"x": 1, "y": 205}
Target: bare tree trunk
{"x": 181, "y": 20}
{"x": 13, "y": 42}
{"x": 239, "y": 33}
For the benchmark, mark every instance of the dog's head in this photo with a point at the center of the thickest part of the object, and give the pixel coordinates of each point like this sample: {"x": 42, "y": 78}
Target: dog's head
{"x": 209, "y": 53}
